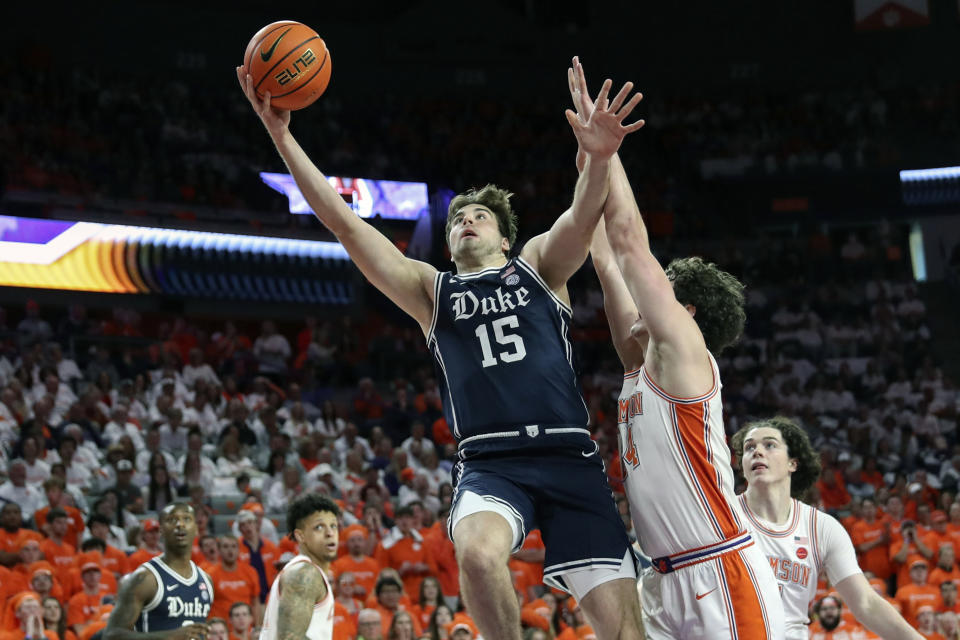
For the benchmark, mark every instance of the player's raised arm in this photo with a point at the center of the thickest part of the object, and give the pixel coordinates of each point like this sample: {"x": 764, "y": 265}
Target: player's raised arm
{"x": 559, "y": 252}
{"x": 873, "y": 611}
{"x": 135, "y": 591}
{"x": 618, "y": 305}
{"x": 408, "y": 283}
{"x": 301, "y": 587}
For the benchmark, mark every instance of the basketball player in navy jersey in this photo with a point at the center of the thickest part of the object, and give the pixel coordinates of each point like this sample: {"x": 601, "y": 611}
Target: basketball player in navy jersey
{"x": 498, "y": 328}
{"x": 168, "y": 597}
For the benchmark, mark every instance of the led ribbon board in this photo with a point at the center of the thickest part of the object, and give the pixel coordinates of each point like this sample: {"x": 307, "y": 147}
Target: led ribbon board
{"x": 88, "y": 256}
{"x": 930, "y": 186}
{"x": 388, "y": 199}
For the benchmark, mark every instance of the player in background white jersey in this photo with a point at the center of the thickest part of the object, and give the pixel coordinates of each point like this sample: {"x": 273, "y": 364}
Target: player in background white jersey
{"x": 301, "y": 599}
{"x": 779, "y": 465}
{"x": 711, "y": 581}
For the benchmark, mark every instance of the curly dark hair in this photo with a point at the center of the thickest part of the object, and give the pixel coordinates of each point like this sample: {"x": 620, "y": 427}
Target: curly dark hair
{"x": 492, "y": 197}
{"x": 717, "y": 296}
{"x": 306, "y": 505}
{"x": 798, "y": 448}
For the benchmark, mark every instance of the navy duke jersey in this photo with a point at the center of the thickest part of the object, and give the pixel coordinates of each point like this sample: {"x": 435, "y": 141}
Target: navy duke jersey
{"x": 179, "y": 601}
{"x": 500, "y": 339}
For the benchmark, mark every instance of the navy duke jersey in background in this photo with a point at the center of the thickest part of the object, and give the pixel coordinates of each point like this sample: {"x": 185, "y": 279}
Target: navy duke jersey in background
{"x": 500, "y": 339}
{"x": 179, "y": 601}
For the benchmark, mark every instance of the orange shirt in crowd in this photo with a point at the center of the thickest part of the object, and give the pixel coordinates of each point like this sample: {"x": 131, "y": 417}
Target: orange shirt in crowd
{"x": 74, "y": 583}
{"x": 843, "y": 631}
{"x": 448, "y": 572}
{"x": 140, "y": 556}
{"x": 11, "y": 542}
{"x": 82, "y": 608}
{"x": 877, "y": 559}
{"x": 365, "y": 571}
{"x": 240, "y": 585}
{"x": 115, "y": 561}
{"x": 913, "y": 596}
{"x": 61, "y": 556}
{"x": 17, "y": 634}
{"x": 903, "y": 569}
{"x": 344, "y": 627}
{"x": 411, "y": 551}
{"x": 386, "y": 618}
{"x": 938, "y": 576}
{"x": 75, "y": 524}
{"x": 422, "y": 614}
{"x": 833, "y": 497}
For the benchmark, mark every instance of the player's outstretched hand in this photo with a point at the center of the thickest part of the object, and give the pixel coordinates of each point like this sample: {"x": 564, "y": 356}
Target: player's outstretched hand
{"x": 598, "y": 125}
{"x": 275, "y": 120}
{"x": 189, "y": 632}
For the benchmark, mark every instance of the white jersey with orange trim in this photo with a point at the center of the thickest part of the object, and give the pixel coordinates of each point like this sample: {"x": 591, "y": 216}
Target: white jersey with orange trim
{"x": 321, "y": 622}
{"x": 809, "y": 542}
{"x": 677, "y": 464}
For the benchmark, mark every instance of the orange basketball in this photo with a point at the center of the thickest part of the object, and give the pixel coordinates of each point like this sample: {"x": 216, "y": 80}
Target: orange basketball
{"x": 289, "y": 60}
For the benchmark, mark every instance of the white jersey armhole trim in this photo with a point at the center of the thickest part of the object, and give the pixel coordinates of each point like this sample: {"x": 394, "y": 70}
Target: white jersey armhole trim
{"x": 536, "y": 276}
{"x": 436, "y": 305}
{"x": 161, "y": 589}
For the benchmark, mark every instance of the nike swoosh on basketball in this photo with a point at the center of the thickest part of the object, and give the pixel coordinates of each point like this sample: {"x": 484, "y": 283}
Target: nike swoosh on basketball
{"x": 700, "y": 596}
{"x": 273, "y": 47}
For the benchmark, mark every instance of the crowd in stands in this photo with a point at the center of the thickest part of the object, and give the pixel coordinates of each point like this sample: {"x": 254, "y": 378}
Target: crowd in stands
{"x": 176, "y": 151}
{"x": 93, "y": 443}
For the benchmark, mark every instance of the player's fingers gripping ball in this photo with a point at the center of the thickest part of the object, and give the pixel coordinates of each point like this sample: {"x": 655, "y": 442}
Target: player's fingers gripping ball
{"x": 291, "y": 62}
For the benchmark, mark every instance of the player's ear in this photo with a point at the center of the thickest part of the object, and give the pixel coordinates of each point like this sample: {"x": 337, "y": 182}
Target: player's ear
{"x": 692, "y": 310}
{"x": 298, "y": 535}
{"x": 792, "y": 466}
{"x": 505, "y": 245}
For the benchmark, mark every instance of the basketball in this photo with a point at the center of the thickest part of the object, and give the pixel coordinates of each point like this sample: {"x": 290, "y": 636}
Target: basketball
{"x": 289, "y": 60}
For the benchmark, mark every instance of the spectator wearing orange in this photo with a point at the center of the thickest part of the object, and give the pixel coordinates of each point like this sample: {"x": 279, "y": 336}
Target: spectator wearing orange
{"x": 461, "y": 628}
{"x": 217, "y": 629}
{"x": 948, "y": 597}
{"x": 946, "y": 567}
{"x": 904, "y": 546}
{"x": 11, "y": 582}
{"x": 209, "y": 556}
{"x": 927, "y": 623}
{"x": 529, "y": 559}
{"x": 241, "y": 621}
{"x": 54, "y": 488}
{"x": 430, "y": 597}
{"x": 389, "y": 591}
{"x": 28, "y": 554}
{"x": 111, "y": 560}
{"x": 99, "y": 622}
{"x": 232, "y": 581}
{"x": 83, "y": 606}
{"x": 939, "y": 535}
{"x": 149, "y": 544}
{"x": 364, "y": 568}
{"x": 370, "y": 625}
{"x": 55, "y": 619}
{"x": 830, "y": 624}
{"x": 404, "y": 550}
{"x": 99, "y": 528}
{"x": 448, "y": 572}
{"x": 259, "y": 553}
{"x": 833, "y": 491}
{"x": 346, "y": 586}
{"x": 12, "y": 534}
{"x": 28, "y": 615}
{"x": 43, "y": 582}
{"x": 917, "y": 593}
{"x": 344, "y": 625}
{"x": 74, "y": 584}
{"x": 55, "y": 549}
{"x": 437, "y": 627}
{"x": 871, "y": 538}
{"x": 403, "y": 627}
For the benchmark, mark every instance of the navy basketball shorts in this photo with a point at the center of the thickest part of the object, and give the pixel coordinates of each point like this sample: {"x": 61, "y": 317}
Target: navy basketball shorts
{"x": 567, "y": 497}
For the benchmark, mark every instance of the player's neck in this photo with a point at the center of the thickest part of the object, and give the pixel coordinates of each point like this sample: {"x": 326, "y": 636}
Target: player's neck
{"x": 179, "y": 562}
{"x": 771, "y": 502}
{"x": 473, "y": 264}
{"x": 323, "y": 564}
